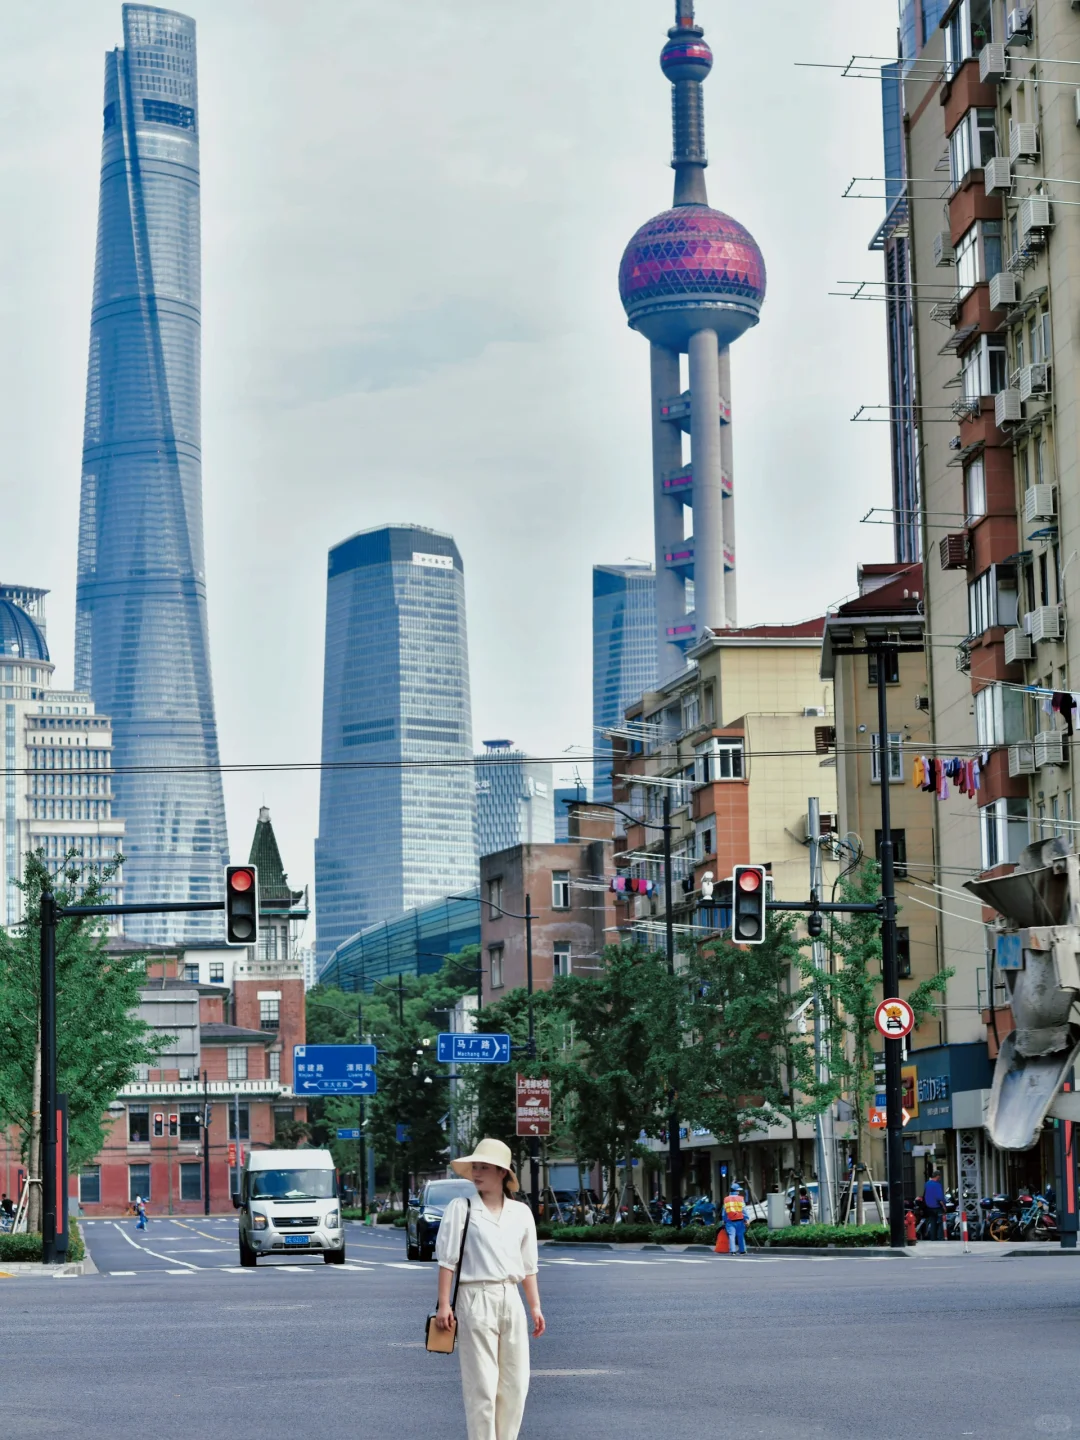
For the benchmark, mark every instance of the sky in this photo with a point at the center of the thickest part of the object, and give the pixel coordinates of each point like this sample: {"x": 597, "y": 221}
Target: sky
{"x": 413, "y": 216}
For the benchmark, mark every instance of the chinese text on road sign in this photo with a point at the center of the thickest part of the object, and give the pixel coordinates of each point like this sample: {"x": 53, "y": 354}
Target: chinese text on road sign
{"x": 334, "y": 1069}
{"x": 474, "y": 1049}
{"x": 533, "y": 1106}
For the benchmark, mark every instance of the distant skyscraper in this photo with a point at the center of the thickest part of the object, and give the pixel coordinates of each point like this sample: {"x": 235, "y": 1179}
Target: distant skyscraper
{"x": 394, "y": 832}
{"x": 624, "y": 652}
{"x": 515, "y": 803}
{"x": 565, "y": 796}
{"x": 141, "y": 646}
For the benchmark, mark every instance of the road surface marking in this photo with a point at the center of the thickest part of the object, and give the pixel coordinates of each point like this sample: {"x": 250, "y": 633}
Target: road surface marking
{"x": 146, "y": 1250}
{"x": 178, "y": 1272}
{"x": 575, "y": 1372}
{"x": 127, "y": 1272}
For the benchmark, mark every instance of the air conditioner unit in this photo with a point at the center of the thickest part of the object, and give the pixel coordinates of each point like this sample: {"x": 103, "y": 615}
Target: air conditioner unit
{"x": 1021, "y": 759}
{"x": 1039, "y": 503}
{"x": 1007, "y": 408}
{"x": 1046, "y": 623}
{"x": 1034, "y": 380}
{"x": 953, "y": 551}
{"x": 1049, "y": 748}
{"x": 993, "y": 64}
{"x": 1004, "y": 290}
{"x": 1034, "y": 218}
{"x": 1023, "y": 142}
{"x": 815, "y": 710}
{"x": 1018, "y": 27}
{"x": 997, "y": 175}
{"x": 1017, "y": 647}
{"x": 943, "y": 250}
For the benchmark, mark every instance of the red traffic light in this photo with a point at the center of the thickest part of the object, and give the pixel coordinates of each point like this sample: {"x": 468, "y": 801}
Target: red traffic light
{"x": 241, "y": 905}
{"x": 241, "y": 879}
{"x": 750, "y": 880}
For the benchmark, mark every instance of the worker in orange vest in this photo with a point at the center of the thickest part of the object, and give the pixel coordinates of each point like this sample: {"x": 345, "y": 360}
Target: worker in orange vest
{"x": 735, "y": 1220}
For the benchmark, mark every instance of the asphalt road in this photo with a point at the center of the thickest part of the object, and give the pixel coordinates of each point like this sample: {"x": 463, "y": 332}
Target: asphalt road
{"x": 640, "y": 1344}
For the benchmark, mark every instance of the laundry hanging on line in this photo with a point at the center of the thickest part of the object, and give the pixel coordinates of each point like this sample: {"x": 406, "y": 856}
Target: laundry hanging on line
{"x": 933, "y": 773}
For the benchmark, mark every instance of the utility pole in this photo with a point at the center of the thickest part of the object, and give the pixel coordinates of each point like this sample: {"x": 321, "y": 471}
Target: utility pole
{"x": 408, "y": 1143}
{"x": 362, "y": 1153}
{"x": 236, "y": 1134}
{"x": 674, "y": 1138}
{"x": 823, "y": 1120}
{"x": 534, "y": 1140}
{"x": 48, "y": 1078}
{"x": 206, "y": 1144}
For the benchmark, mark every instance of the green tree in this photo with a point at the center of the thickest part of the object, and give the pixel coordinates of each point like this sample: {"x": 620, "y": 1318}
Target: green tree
{"x": 100, "y": 1039}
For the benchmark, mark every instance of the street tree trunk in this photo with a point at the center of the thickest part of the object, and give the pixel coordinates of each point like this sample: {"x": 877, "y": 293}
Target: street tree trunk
{"x": 33, "y": 1213}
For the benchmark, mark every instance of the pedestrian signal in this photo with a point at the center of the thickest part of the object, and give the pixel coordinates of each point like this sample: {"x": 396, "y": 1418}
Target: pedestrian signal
{"x": 241, "y": 904}
{"x": 748, "y": 898}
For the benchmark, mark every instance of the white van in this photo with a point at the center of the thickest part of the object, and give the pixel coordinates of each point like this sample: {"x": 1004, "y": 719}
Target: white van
{"x": 288, "y": 1203}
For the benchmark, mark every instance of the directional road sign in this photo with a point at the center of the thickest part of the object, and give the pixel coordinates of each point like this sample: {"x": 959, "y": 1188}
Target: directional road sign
{"x": 474, "y": 1049}
{"x": 894, "y": 1018}
{"x": 533, "y": 1106}
{"x": 348, "y": 1134}
{"x": 334, "y": 1069}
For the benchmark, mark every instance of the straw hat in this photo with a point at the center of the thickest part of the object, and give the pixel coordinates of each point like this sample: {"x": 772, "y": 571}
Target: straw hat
{"x": 488, "y": 1152}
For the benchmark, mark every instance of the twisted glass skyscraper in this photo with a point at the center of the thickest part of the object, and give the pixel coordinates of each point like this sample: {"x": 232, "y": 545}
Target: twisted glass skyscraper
{"x": 398, "y": 802}
{"x": 141, "y": 634}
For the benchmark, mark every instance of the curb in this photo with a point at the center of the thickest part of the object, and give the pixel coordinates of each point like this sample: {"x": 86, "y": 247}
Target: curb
{"x": 10, "y": 1269}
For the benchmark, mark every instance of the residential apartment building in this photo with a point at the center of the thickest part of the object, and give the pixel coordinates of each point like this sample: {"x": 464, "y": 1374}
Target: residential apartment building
{"x": 568, "y": 887}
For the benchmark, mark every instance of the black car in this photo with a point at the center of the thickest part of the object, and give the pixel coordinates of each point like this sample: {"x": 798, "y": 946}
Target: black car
{"x": 424, "y": 1215}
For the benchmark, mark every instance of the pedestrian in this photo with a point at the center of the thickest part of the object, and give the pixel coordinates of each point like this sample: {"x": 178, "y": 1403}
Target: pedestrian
{"x": 802, "y": 1207}
{"x": 6, "y": 1206}
{"x": 140, "y": 1211}
{"x": 498, "y": 1255}
{"x": 735, "y": 1219}
{"x": 934, "y": 1205}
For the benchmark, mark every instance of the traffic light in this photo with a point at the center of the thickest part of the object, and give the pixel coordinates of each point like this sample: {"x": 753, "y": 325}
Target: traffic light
{"x": 241, "y": 905}
{"x": 748, "y": 896}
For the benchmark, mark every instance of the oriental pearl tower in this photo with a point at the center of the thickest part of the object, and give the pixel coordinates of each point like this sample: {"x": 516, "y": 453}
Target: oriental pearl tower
{"x": 692, "y": 280}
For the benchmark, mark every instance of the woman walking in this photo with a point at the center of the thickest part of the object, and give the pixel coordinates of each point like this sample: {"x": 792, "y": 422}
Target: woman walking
{"x": 499, "y": 1254}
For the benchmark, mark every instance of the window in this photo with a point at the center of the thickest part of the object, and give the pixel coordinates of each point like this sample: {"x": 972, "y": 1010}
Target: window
{"x": 718, "y": 760}
{"x": 90, "y": 1186}
{"x": 971, "y": 145}
{"x": 985, "y": 369}
{"x": 495, "y": 890}
{"x": 243, "y": 1122}
{"x": 691, "y": 711}
{"x": 561, "y": 958}
{"x": 189, "y": 1122}
{"x": 238, "y": 1062}
{"x": 283, "y": 1122}
{"x": 165, "y": 112}
{"x": 560, "y": 889}
{"x": 892, "y": 668}
{"x": 138, "y": 1124}
{"x": 903, "y": 951}
{"x": 191, "y": 972}
{"x": 217, "y": 972}
{"x": 975, "y": 491}
{"x": 495, "y": 963}
{"x": 705, "y": 837}
{"x": 968, "y": 30}
{"x": 1004, "y": 831}
{"x": 269, "y": 1014}
{"x": 138, "y": 1182}
{"x": 191, "y": 1181}
{"x": 275, "y": 1066}
{"x": 999, "y": 716}
{"x": 899, "y": 846}
{"x": 896, "y": 759}
{"x": 710, "y": 703}
{"x": 993, "y": 599}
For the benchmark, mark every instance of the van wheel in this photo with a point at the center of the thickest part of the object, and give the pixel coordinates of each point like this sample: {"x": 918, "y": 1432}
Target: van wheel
{"x": 248, "y": 1258}
{"x": 334, "y": 1257}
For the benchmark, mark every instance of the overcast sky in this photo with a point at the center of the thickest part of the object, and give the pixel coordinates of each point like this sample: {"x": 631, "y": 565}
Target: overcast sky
{"x": 413, "y": 215}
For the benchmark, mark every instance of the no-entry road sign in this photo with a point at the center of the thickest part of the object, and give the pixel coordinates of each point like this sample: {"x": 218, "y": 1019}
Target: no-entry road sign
{"x": 894, "y": 1018}
{"x": 533, "y": 1105}
{"x": 474, "y": 1049}
{"x": 334, "y": 1069}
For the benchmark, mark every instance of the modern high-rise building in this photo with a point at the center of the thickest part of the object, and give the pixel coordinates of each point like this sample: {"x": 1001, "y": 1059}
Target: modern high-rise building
{"x": 624, "y": 653}
{"x": 397, "y": 805}
{"x": 692, "y": 280}
{"x": 141, "y": 640}
{"x": 515, "y": 799}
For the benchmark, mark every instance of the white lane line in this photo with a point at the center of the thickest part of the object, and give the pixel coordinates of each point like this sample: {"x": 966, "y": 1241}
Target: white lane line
{"x": 627, "y": 1262}
{"x": 233, "y": 1269}
{"x": 678, "y": 1260}
{"x": 403, "y": 1265}
{"x": 122, "y": 1272}
{"x": 146, "y": 1250}
{"x": 574, "y": 1262}
{"x": 534, "y": 1371}
{"x": 177, "y": 1272}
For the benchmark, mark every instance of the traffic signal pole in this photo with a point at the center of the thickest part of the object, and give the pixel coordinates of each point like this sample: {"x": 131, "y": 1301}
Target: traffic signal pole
{"x": 206, "y": 1145}
{"x": 534, "y": 1140}
{"x": 674, "y": 1137}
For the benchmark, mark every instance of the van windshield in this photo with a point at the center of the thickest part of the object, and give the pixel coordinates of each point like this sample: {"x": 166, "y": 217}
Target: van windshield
{"x": 291, "y": 1185}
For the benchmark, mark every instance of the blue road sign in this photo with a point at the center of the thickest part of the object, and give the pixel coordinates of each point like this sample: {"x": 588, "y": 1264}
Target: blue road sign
{"x": 348, "y": 1134}
{"x": 334, "y": 1069}
{"x": 404, "y": 1134}
{"x": 474, "y": 1049}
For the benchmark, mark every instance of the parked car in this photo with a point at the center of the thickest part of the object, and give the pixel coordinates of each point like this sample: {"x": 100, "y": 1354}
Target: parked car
{"x": 424, "y": 1215}
{"x": 573, "y": 1207}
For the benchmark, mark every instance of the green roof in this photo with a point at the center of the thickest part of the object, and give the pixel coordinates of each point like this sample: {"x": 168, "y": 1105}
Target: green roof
{"x": 274, "y": 889}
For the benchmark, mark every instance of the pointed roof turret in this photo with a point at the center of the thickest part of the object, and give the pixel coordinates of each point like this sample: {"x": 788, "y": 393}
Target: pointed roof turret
{"x": 274, "y": 892}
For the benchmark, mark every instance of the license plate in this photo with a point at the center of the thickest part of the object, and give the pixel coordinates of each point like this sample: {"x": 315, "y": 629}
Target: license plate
{"x": 297, "y": 1240}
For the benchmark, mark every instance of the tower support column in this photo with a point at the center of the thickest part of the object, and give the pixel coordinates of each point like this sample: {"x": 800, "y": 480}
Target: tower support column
{"x": 728, "y": 506}
{"x": 708, "y": 462}
{"x": 667, "y": 513}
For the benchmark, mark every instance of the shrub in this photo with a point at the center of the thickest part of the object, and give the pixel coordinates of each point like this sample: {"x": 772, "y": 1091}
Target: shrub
{"x": 390, "y": 1217}
{"x": 630, "y": 1234}
{"x": 28, "y": 1247}
{"x": 813, "y": 1236}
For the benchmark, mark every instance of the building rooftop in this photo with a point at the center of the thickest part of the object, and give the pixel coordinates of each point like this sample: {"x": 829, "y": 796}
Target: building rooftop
{"x": 20, "y": 637}
{"x": 274, "y": 891}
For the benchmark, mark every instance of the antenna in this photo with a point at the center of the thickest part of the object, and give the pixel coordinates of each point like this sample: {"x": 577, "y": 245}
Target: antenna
{"x": 684, "y": 13}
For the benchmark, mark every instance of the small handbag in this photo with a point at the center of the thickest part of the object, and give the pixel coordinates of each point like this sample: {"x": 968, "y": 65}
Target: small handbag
{"x": 442, "y": 1342}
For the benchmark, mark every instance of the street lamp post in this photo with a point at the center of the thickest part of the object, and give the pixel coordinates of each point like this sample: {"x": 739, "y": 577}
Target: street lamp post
{"x": 534, "y": 1140}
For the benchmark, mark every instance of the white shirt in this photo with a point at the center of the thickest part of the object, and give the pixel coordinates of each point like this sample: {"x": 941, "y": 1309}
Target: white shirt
{"x": 498, "y": 1247}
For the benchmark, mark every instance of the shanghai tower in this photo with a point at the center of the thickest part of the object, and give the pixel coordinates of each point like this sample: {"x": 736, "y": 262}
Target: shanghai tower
{"x": 692, "y": 280}
{"x": 141, "y": 644}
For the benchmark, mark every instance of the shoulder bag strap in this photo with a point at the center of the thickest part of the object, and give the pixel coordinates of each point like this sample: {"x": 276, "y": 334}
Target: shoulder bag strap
{"x": 461, "y": 1255}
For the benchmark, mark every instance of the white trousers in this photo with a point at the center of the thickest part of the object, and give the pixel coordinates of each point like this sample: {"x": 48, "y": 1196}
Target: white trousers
{"x": 493, "y": 1343}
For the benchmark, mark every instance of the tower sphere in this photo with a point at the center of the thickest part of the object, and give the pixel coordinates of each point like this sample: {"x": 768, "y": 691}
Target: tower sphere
{"x": 686, "y": 57}
{"x": 688, "y": 269}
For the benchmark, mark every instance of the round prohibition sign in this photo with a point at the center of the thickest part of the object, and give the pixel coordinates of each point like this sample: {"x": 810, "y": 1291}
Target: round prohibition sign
{"x": 894, "y": 1019}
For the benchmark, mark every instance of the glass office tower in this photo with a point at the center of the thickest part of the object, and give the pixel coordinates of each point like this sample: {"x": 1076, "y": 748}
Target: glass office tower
{"x": 515, "y": 799}
{"x": 624, "y": 653}
{"x": 141, "y": 634}
{"x": 397, "y": 801}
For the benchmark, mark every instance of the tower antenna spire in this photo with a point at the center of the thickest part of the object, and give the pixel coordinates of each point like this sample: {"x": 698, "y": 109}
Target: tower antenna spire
{"x": 686, "y": 61}
{"x": 684, "y": 13}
